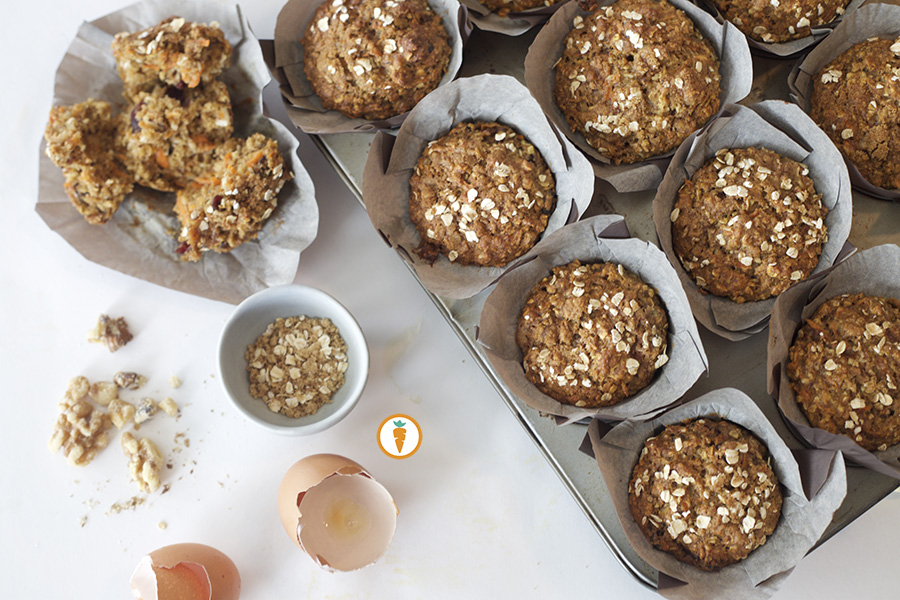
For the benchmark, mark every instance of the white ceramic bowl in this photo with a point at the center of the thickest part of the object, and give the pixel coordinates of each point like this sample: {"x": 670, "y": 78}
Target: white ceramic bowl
{"x": 250, "y": 320}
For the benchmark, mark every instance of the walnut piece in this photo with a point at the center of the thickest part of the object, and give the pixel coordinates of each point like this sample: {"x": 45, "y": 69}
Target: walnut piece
{"x": 112, "y": 332}
{"x": 120, "y": 412}
{"x": 144, "y": 461}
{"x": 128, "y": 380}
{"x": 80, "y": 430}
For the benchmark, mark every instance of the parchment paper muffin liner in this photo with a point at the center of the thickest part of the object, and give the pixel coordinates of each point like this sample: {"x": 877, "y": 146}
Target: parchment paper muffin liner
{"x": 515, "y": 23}
{"x": 874, "y": 272}
{"x": 871, "y": 20}
{"x": 735, "y": 68}
{"x": 303, "y": 106}
{"x": 792, "y": 47}
{"x": 390, "y": 163}
{"x": 594, "y": 240}
{"x": 810, "y": 499}
{"x": 140, "y": 240}
{"x": 783, "y": 128}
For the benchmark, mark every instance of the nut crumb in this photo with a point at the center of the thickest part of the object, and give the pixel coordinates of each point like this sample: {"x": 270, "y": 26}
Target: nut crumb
{"x": 175, "y": 382}
{"x": 169, "y": 407}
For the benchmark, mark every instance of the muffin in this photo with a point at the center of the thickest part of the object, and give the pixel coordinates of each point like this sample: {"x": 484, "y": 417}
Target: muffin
{"x": 636, "y": 78}
{"x": 372, "y": 59}
{"x": 592, "y": 335}
{"x": 480, "y": 195}
{"x": 704, "y": 491}
{"x": 175, "y": 52}
{"x": 856, "y": 101}
{"x": 774, "y": 21}
{"x": 504, "y": 7}
{"x": 229, "y": 204}
{"x": 748, "y": 224}
{"x": 844, "y": 366}
{"x": 169, "y": 130}
{"x": 82, "y": 141}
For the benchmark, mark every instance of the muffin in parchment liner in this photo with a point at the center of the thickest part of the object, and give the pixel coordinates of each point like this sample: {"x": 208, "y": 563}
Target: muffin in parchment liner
{"x": 303, "y": 106}
{"x": 386, "y": 188}
{"x": 782, "y": 128}
{"x": 735, "y": 69}
{"x": 875, "y": 20}
{"x": 513, "y": 23}
{"x": 794, "y": 46}
{"x": 141, "y": 239}
{"x": 810, "y": 494}
{"x": 594, "y": 240}
{"x": 871, "y": 272}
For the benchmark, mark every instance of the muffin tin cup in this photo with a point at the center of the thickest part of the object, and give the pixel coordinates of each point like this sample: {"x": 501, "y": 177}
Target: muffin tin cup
{"x": 385, "y": 185}
{"x": 736, "y": 70}
{"x": 792, "y": 47}
{"x": 514, "y": 24}
{"x": 147, "y": 251}
{"x": 783, "y": 128}
{"x": 597, "y": 239}
{"x": 871, "y": 20}
{"x": 810, "y": 499}
{"x": 873, "y": 271}
{"x": 304, "y": 108}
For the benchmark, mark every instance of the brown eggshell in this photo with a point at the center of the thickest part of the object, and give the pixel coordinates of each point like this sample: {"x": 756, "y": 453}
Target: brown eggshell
{"x": 310, "y": 496}
{"x": 186, "y": 572}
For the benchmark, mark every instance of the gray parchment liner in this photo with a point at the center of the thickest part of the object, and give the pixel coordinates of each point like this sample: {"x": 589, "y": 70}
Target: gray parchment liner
{"x": 587, "y": 241}
{"x": 140, "y": 239}
{"x": 871, "y": 20}
{"x": 873, "y": 271}
{"x": 515, "y": 23}
{"x": 736, "y": 70}
{"x": 783, "y": 128}
{"x": 790, "y": 48}
{"x": 385, "y": 186}
{"x": 303, "y": 106}
{"x": 802, "y": 520}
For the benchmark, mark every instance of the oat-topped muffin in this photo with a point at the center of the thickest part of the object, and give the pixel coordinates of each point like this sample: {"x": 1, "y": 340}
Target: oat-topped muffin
{"x": 480, "y": 195}
{"x": 374, "y": 58}
{"x": 504, "y": 7}
{"x": 169, "y": 130}
{"x": 174, "y": 52}
{"x": 636, "y": 78}
{"x": 856, "y": 101}
{"x": 704, "y": 491}
{"x": 81, "y": 140}
{"x": 844, "y": 368}
{"x": 229, "y": 204}
{"x": 592, "y": 335}
{"x": 773, "y": 21}
{"x": 749, "y": 224}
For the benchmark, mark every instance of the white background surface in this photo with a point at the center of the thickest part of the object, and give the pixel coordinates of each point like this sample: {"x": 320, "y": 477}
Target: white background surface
{"x": 482, "y": 515}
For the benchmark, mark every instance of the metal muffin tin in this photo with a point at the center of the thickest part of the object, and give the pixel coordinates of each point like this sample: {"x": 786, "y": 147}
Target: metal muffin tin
{"x": 733, "y": 364}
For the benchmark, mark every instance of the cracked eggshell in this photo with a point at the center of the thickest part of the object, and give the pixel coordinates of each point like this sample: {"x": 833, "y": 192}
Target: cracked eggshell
{"x": 336, "y": 512}
{"x": 186, "y": 572}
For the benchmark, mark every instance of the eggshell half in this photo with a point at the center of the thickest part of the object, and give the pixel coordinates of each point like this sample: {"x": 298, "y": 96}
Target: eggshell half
{"x": 186, "y": 572}
{"x": 336, "y": 512}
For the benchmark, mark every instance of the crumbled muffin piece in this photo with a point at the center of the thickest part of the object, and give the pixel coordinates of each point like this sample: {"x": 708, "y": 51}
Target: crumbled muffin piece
{"x": 704, "y": 491}
{"x": 504, "y": 7}
{"x": 749, "y": 224}
{"x": 480, "y": 195}
{"x": 112, "y": 332}
{"x": 856, "y": 101}
{"x": 844, "y": 368}
{"x": 374, "y": 59}
{"x": 81, "y": 140}
{"x": 636, "y": 78}
{"x": 228, "y": 205}
{"x": 773, "y": 21}
{"x": 144, "y": 461}
{"x": 174, "y": 52}
{"x": 170, "y": 133}
{"x": 592, "y": 335}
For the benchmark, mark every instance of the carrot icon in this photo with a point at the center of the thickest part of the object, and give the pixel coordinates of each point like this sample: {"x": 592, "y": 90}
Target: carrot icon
{"x": 399, "y": 434}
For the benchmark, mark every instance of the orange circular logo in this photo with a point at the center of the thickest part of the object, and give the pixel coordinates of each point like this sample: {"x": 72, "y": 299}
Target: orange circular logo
{"x": 399, "y": 436}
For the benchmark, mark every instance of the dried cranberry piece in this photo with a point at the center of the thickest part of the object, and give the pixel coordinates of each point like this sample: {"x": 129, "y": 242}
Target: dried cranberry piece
{"x": 182, "y": 248}
{"x": 216, "y": 201}
{"x": 135, "y": 125}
